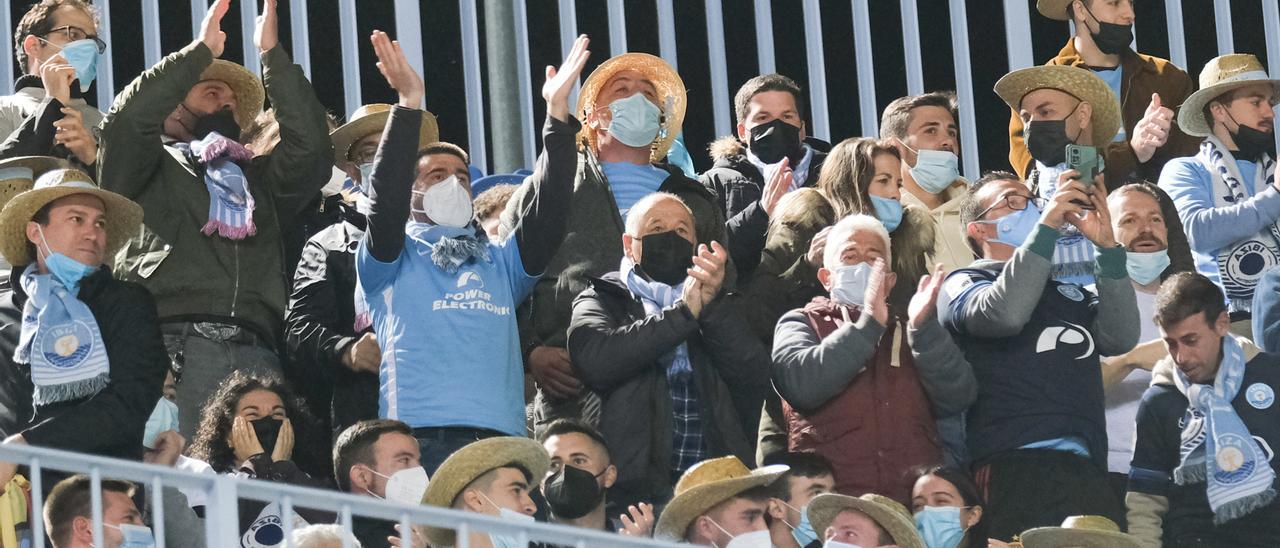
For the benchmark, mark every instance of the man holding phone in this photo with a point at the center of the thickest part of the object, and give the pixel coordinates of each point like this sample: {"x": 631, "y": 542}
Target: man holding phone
{"x": 1067, "y": 112}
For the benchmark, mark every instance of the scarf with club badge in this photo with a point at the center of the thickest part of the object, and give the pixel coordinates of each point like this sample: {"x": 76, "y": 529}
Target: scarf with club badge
{"x": 61, "y": 341}
{"x": 230, "y": 202}
{"x": 1228, "y": 190}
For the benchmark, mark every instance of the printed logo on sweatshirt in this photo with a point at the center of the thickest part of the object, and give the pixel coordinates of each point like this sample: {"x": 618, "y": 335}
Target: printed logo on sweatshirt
{"x": 1069, "y": 336}
{"x": 1260, "y": 396}
{"x": 470, "y": 295}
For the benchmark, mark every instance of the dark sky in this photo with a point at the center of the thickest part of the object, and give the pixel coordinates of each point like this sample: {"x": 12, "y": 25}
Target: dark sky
{"x": 443, "y": 53}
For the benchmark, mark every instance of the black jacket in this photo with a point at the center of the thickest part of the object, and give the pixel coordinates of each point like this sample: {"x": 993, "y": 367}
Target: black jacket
{"x": 319, "y": 326}
{"x": 616, "y": 351}
{"x": 109, "y": 423}
{"x": 738, "y": 185}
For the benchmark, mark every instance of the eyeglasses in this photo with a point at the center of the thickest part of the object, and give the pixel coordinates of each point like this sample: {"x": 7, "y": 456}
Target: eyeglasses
{"x": 365, "y": 156}
{"x": 73, "y": 34}
{"x": 1014, "y": 201}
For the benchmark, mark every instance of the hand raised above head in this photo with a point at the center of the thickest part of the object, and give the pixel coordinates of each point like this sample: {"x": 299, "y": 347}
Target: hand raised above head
{"x": 211, "y": 29}
{"x": 395, "y": 68}
{"x": 560, "y": 81}
{"x": 265, "y": 33}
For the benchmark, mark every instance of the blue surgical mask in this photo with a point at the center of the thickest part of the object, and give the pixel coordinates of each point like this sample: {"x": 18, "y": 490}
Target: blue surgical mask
{"x": 888, "y": 211}
{"x": 636, "y": 121}
{"x": 163, "y": 419}
{"x": 849, "y": 283}
{"x": 135, "y": 536}
{"x": 504, "y": 541}
{"x": 803, "y": 532}
{"x": 935, "y": 170}
{"x": 366, "y": 171}
{"x": 1145, "y": 268}
{"x": 939, "y": 526}
{"x": 66, "y": 270}
{"x": 82, "y": 55}
{"x": 1014, "y": 229}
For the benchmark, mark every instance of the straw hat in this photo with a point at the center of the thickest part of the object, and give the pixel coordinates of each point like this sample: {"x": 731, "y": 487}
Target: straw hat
{"x": 473, "y": 461}
{"x": 1080, "y": 83}
{"x": 123, "y": 214}
{"x": 248, "y": 89}
{"x": 1220, "y": 75}
{"x": 370, "y": 119}
{"x": 1054, "y": 9}
{"x": 705, "y": 485}
{"x": 672, "y": 97}
{"x": 19, "y": 174}
{"x": 1084, "y": 531}
{"x": 885, "y": 511}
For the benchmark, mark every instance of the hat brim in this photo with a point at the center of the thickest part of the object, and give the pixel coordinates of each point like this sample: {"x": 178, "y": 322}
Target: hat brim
{"x": 687, "y": 506}
{"x": 123, "y": 218}
{"x": 349, "y": 133}
{"x": 1052, "y": 537}
{"x": 250, "y": 96}
{"x": 473, "y": 461}
{"x": 667, "y": 81}
{"x": 1077, "y": 82}
{"x": 823, "y": 510}
{"x": 1191, "y": 114}
{"x": 37, "y": 164}
{"x": 1054, "y": 9}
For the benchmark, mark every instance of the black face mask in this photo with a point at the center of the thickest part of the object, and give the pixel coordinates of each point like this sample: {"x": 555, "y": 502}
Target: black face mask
{"x": 222, "y": 121}
{"x": 572, "y": 492}
{"x": 666, "y": 257}
{"x": 1111, "y": 38}
{"x": 775, "y": 140}
{"x": 267, "y": 429}
{"x": 1047, "y": 141}
{"x": 1252, "y": 143}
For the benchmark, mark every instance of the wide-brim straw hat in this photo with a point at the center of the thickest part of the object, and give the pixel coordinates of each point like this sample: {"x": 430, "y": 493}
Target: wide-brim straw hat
{"x": 1220, "y": 75}
{"x": 1054, "y": 9}
{"x": 672, "y": 96}
{"x": 1080, "y": 83}
{"x": 473, "y": 461}
{"x": 250, "y": 96}
{"x": 370, "y": 119}
{"x": 1083, "y": 531}
{"x": 19, "y": 174}
{"x": 123, "y": 215}
{"x": 886, "y": 512}
{"x": 705, "y": 485}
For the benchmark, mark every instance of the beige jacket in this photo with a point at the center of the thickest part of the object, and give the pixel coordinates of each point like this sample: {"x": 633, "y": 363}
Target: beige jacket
{"x": 949, "y": 246}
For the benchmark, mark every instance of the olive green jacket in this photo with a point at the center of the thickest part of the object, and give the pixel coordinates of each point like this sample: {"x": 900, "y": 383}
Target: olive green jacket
{"x": 193, "y": 276}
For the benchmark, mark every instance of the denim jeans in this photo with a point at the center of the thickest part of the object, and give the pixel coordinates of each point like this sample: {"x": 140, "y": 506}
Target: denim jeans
{"x": 436, "y": 444}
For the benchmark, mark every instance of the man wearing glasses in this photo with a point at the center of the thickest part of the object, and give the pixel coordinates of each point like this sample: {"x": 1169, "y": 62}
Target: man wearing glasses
{"x": 1037, "y": 432}
{"x": 56, "y": 44}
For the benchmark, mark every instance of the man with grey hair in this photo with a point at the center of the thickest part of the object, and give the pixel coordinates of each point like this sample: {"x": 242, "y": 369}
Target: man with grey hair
{"x": 322, "y": 535}
{"x": 854, "y": 389}
{"x": 678, "y": 371}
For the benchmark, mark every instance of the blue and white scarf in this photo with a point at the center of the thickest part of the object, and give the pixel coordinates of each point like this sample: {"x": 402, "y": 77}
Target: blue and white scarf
{"x": 799, "y": 172}
{"x": 1073, "y": 255}
{"x": 449, "y": 247}
{"x": 655, "y": 296}
{"x": 230, "y": 202}
{"x": 1239, "y": 476}
{"x": 1242, "y": 264}
{"x": 60, "y": 340}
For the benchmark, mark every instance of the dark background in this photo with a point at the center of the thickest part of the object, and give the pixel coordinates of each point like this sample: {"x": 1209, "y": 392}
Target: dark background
{"x": 443, "y": 53}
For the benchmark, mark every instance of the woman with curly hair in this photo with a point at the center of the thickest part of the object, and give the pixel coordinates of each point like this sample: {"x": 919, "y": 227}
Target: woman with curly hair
{"x": 250, "y": 428}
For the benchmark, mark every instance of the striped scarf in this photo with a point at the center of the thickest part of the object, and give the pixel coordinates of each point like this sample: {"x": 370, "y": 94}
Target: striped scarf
{"x": 1236, "y": 263}
{"x": 61, "y": 341}
{"x": 1073, "y": 256}
{"x": 1238, "y": 476}
{"x": 656, "y": 296}
{"x": 799, "y": 172}
{"x": 230, "y": 202}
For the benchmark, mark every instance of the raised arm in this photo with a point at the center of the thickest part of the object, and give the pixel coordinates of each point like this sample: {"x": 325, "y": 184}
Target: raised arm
{"x": 391, "y": 183}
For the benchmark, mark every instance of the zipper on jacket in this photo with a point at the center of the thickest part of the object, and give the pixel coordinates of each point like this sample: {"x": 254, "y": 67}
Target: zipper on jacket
{"x": 235, "y": 292}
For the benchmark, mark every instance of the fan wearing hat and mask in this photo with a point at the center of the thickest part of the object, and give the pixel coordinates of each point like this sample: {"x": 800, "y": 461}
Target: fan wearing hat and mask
{"x": 720, "y": 503}
{"x": 1227, "y": 194}
{"x": 868, "y": 521}
{"x": 1149, "y": 88}
{"x": 328, "y": 331}
{"x": 491, "y": 476}
{"x": 1062, "y": 106}
{"x": 57, "y": 48}
{"x": 1037, "y": 432}
{"x": 442, "y": 296}
{"x": 632, "y": 107}
{"x": 86, "y": 346}
{"x": 211, "y": 249}
{"x": 17, "y": 175}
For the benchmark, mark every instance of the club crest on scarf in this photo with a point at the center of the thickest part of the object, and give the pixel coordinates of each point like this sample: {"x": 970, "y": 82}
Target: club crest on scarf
{"x": 66, "y": 346}
{"x": 231, "y": 204}
{"x": 60, "y": 340}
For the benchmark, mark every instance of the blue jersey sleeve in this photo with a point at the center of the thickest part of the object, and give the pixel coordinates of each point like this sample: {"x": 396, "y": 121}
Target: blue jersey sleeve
{"x": 521, "y": 283}
{"x": 374, "y": 275}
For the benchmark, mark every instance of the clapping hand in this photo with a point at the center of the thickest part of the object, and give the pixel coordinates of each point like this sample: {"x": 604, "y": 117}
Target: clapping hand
{"x": 265, "y": 33}
{"x": 1152, "y": 131}
{"x": 876, "y": 298}
{"x": 560, "y": 82}
{"x": 925, "y": 302}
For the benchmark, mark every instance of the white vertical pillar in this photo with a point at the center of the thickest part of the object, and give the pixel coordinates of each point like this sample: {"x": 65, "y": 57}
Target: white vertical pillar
{"x": 817, "y": 69}
{"x": 719, "y": 72}
{"x": 911, "y": 47}
{"x": 764, "y": 37}
{"x": 150, "y": 32}
{"x": 301, "y": 35}
{"x": 1177, "y": 36}
{"x": 568, "y": 34}
{"x": 409, "y": 34}
{"x": 471, "y": 76}
{"x": 106, "y": 78}
{"x": 667, "y": 33}
{"x": 350, "y": 55}
{"x": 617, "y": 28}
{"x": 523, "y": 72}
{"x": 867, "y": 110}
{"x": 1017, "y": 34}
{"x": 1222, "y": 23}
{"x": 964, "y": 88}
{"x": 248, "y": 23}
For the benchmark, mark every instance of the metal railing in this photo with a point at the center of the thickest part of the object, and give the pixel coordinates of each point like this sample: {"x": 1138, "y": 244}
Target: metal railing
{"x": 223, "y": 493}
{"x": 1017, "y": 40}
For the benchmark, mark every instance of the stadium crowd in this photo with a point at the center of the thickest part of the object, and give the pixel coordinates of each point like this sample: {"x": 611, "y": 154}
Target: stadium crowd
{"x": 808, "y": 345}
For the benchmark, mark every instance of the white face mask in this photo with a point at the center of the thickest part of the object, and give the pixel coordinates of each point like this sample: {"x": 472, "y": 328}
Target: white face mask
{"x": 753, "y": 539}
{"x": 833, "y": 543}
{"x": 405, "y": 486}
{"x": 446, "y": 203}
